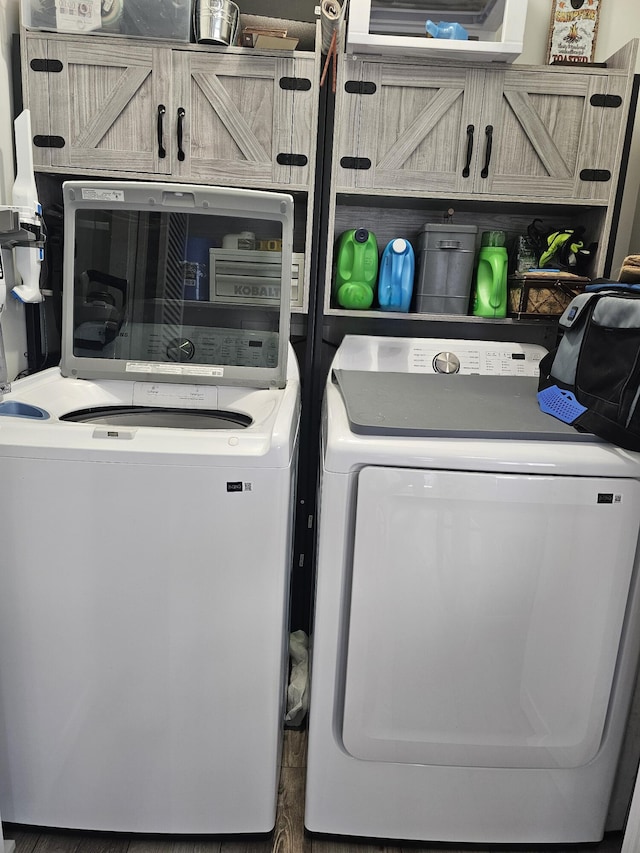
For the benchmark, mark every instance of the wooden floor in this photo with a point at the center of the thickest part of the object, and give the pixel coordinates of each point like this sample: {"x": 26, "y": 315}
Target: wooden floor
{"x": 288, "y": 837}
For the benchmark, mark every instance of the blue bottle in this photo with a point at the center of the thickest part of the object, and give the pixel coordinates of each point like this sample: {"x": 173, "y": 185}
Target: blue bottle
{"x": 395, "y": 281}
{"x": 446, "y": 30}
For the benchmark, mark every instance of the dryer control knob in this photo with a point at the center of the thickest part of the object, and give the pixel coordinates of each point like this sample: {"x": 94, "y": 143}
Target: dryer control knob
{"x": 181, "y": 349}
{"x": 446, "y": 362}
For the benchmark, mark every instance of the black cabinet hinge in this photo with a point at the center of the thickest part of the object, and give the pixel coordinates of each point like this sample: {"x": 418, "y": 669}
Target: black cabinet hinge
{"x": 48, "y": 65}
{"x": 41, "y": 141}
{"x": 611, "y": 101}
{"x": 601, "y": 175}
{"x": 359, "y": 87}
{"x": 355, "y": 163}
{"x": 292, "y": 159}
{"x": 296, "y": 84}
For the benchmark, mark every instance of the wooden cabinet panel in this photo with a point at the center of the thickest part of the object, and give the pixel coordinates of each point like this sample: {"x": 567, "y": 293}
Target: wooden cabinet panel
{"x": 304, "y": 122}
{"x": 410, "y": 124}
{"x": 523, "y": 133}
{"x": 37, "y": 98}
{"x": 104, "y": 104}
{"x": 242, "y": 126}
{"x": 125, "y": 107}
{"x": 604, "y": 153}
{"x": 545, "y": 133}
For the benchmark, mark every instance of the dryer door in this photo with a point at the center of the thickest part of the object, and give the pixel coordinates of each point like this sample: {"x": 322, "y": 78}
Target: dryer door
{"x": 486, "y": 615}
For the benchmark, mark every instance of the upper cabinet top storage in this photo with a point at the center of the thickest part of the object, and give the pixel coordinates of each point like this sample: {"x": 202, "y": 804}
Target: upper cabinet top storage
{"x": 162, "y": 19}
{"x": 495, "y": 29}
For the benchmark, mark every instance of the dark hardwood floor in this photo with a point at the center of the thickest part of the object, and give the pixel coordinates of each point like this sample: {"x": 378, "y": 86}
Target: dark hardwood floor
{"x": 288, "y": 836}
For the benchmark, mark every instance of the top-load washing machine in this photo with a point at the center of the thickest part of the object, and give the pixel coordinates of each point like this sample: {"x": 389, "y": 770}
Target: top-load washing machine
{"x": 476, "y": 625}
{"x": 146, "y": 524}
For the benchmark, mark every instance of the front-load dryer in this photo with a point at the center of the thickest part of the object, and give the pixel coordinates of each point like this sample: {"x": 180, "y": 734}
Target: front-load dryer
{"x": 476, "y": 624}
{"x": 146, "y": 517}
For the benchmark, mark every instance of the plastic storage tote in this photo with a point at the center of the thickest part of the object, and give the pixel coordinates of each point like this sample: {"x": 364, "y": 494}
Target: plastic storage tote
{"x": 161, "y": 19}
{"x": 445, "y": 271}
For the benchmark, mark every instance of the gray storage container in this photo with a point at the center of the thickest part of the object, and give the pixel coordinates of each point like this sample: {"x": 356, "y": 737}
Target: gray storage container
{"x": 445, "y": 268}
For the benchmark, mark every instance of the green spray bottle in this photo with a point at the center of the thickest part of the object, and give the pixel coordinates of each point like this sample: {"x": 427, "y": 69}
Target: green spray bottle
{"x": 356, "y": 269}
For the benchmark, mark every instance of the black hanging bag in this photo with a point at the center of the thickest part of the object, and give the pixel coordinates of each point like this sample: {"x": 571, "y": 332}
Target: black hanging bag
{"x": 592, "y": 379}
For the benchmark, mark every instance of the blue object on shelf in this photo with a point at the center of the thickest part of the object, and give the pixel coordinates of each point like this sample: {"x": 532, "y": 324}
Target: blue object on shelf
{"x": 619, "y": 286}
{"x": 15, "y": 409}
{"x": 446, "y": 30}
{"x": 560, "y": 403}
{"x": 395, "y": 280}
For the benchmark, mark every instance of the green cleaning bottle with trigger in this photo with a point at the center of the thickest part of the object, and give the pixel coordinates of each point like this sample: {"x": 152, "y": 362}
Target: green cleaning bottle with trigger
{"x": 356, "y": 269}
{"x": 490, "y": 297}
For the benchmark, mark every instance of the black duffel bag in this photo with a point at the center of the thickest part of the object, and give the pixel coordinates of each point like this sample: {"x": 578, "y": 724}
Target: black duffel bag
{"x": 592, "y": 379}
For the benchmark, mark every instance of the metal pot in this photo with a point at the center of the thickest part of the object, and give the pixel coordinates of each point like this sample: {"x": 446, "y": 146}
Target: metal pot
{"x": 216, "y": 21}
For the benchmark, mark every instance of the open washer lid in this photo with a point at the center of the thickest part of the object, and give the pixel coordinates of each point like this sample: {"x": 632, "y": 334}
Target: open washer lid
{"x": 142, "y": 299}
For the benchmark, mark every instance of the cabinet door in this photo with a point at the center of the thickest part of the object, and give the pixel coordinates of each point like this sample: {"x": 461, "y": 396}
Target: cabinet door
{"x": 408, "y": 128}
{"x": 35, "y": 84}
{"x": 239, "y": 119}
{"x": 541, "y": 133}
{"x": 103, "y": 105}
{"x": 601, "y": 154}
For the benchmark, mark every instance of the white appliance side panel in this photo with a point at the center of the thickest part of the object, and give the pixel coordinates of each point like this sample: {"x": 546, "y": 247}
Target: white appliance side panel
{"x": 486, "y": 615}
{"x": 143, "y": 616}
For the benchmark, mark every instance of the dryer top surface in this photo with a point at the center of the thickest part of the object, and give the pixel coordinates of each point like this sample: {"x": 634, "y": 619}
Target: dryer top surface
{"x": 410, "y": 404}
{"x": 457, "y": 404}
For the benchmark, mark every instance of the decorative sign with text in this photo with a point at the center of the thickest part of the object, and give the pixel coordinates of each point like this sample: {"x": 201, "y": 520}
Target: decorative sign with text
{"x": 573, "y": 30}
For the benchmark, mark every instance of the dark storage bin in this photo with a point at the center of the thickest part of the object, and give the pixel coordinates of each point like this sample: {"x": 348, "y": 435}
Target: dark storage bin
{"x": 445, "y": 268}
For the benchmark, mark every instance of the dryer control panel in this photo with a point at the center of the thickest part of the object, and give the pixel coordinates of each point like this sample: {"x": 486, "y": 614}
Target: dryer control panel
{"x": 438, "y": 355}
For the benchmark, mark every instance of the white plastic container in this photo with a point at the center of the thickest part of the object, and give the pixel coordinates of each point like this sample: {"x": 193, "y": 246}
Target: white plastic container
{"x": 496, "y": 29}
{"x": 161, "y": 19}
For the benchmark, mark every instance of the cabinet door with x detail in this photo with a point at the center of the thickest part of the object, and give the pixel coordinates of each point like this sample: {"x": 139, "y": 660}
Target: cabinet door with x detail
{"x": 544, "y": 135}
{"x": 407, "y": 128}
{"x": 243, "y": 116}
{"x": 104, "y": 105}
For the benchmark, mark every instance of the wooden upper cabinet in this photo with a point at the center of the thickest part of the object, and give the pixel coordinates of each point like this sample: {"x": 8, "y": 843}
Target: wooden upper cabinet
{"x": 246, "y": 119}
{"x": 134, "y": 107}
{"x": 505, "y": 132}
{"x": 102, "y": 105}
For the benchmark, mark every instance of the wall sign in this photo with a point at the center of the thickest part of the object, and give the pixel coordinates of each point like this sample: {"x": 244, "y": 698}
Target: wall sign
{"x": 573, "y": 30}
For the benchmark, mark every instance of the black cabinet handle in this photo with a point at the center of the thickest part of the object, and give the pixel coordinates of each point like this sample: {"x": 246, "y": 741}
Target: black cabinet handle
{"x": 181, "y": 115}
{"x": 470, "y": 132}
{"x": 161, "y": 149}
{"x": 487, "y": 154}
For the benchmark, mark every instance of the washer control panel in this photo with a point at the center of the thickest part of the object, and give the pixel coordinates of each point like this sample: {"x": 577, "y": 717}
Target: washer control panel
{"x": 204, "y": 345}
{"x": 438, "y": 355}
